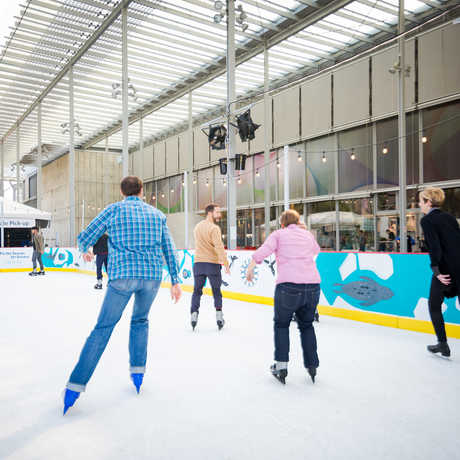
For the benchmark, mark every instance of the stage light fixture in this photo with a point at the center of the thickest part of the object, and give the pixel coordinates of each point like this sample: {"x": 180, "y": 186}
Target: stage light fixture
{"x": 246, "y": 127}
{"x": 217, "y": 136}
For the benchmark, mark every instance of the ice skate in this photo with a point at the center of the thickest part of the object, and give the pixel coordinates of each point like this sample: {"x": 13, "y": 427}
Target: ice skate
{"x": 137, "y": 380}
{"x": 279, "y": 374}
{"x": 98, "y": 285}
{"x": 33, "y": 273}
{"x": 440, "y": 347}
{"x": 70, "y": 397}
{"x": 41, "y": 272}
{"x": 194, "y": 320}
{"x": 220, "y": 319}
{"x": 312, "y": 373}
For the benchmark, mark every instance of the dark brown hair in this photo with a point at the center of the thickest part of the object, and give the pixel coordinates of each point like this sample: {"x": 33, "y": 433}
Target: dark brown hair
{"x": 289, "y": 217}
{"x": 131, "y": 186}
{"x": 210, "y": 208}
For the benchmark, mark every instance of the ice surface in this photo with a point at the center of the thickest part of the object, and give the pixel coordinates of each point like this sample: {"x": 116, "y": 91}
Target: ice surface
{"x": 208, "y": 394}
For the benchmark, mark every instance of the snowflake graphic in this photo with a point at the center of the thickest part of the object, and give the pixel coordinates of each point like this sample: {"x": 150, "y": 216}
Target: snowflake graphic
{"x": 243, "y": 270}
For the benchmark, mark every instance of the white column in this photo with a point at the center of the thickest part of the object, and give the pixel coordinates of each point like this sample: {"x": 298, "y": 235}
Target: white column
{"x": 39, "y": 156}
{"x": 231, "y": 184}
{"x": 71, "y": 161}
{"x": 286, "y": 177}
{"x": 267, "y": 200}
{"x": 402, "y": 132}
{"x": 18, "y": 149}
{"x": 124, "y": 91}
{"x": 186, "y": 209}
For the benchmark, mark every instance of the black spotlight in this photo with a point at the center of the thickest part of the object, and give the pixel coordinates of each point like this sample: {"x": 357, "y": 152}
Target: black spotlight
{"x": 223, "y": 166}
{"x": 240, "y": 162}
{"x": 246, "y": 127}
{"x": 216, "y": 137}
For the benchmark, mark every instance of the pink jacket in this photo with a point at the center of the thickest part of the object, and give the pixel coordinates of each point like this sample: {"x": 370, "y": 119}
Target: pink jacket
{"x": 295, "y": 249}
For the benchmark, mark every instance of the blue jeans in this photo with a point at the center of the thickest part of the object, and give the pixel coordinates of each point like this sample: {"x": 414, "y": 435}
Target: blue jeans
{"x": 116, "y": 298}
{"x": 101, "y": 260}
{"x": 301, "y": 299}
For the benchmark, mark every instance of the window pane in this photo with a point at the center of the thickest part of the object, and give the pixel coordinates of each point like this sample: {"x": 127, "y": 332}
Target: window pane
{"x": 259, "y": 178}
{"x": 296, "y": 171}
{"x": 321, "y": 220}
{"x": 162, "y": 198}
{"x": 244, "y": 186}
{"x": 386, "y": 201}
{"x": 387, "y": 153}
{"x": 355, "y": 174}
{"x": 412, "y": 142}
{"x": 32, "y": 186}
{"x": 320, "y": 166}
{"x": 452, "y": 202}
{"x": 204, "y": 188}
{"x": 356, "y": 224}
{"x": 259, "y": 230}
{"x": 244, "y": 228}
{"x": 176, "y": 199}
{"x": 440, "y": 152}
{"x": 220, "y": 188}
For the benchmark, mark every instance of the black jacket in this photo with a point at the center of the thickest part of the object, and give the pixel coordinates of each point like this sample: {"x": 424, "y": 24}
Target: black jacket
{"x": 101, "y": 246}
{"x": 442, "y": 236}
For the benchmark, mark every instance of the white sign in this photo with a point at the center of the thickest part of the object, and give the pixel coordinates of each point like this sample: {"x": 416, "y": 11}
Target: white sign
{"x": 16, "y": 223}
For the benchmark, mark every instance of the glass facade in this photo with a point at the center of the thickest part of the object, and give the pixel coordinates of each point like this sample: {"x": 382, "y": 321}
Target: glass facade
{"x": 340, "y": 164}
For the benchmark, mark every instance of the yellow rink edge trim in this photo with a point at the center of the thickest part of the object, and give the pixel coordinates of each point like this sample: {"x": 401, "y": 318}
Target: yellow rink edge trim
{"x": 380, "y": 319}
{"x": 397, "y": 322}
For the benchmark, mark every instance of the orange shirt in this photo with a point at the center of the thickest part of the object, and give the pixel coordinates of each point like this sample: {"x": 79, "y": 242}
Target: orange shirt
{"x": 208, "y": 244}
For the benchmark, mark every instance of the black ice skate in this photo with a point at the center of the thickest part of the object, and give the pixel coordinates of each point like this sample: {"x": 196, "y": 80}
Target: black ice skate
{"x": 220, "y": 319}
{"x": 41, "y": 272}
{"x": 440, "y": 347}
{"x": 279, "y": 374}
{"x": 194, "y": 319}
{"x": 33, "y": 273}
{"x": 98, "y": 285}
{"x": 312, "y": 373}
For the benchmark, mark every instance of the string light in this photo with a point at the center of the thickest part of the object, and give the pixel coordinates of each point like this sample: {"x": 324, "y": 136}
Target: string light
{"x": 194, "y": 180}
{"x": 352, "y": 156}
{"x": 172, "y": 190}
{"x": 154, "y": 197}
{"x": 207, "y": 182}
{"x": 224, "y": 182}
{"x": 239, "y": 180}
{"x": 324, "y": 159}
{"x": 385, "y": 150}
{"x": 424, "y": 139}
{"x": 162, "y": 195}
{"x": 257, "y": 173}
{"x": 278, "y": 165}
{"x": 299, "y": 157}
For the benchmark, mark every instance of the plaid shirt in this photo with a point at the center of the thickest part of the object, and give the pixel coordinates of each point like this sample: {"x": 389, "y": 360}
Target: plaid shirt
{"x": 139, "y": 239}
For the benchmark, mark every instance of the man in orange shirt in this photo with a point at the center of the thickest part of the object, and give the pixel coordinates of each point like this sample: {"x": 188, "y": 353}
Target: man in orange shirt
{"x": 210, "y": 255}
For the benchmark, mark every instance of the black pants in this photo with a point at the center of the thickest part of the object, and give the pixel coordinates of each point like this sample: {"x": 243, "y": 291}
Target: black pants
{"x": 301, "y": 299}
{"x": 438, "y": 292}
{"x": 101, "y": 259}
{"x": 201, "y": 271}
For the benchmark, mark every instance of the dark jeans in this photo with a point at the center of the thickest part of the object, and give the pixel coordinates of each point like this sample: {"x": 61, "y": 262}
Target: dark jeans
{"x": 301, "y": 299}
{"x": 101, "y": 259}
{"x": 201, "y": 271}
{"x": 37, "y": 256}
{"x": 438, "y": 292}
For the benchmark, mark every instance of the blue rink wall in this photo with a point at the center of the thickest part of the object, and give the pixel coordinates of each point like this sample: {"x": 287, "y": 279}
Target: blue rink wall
{"x": 387, "y": 289}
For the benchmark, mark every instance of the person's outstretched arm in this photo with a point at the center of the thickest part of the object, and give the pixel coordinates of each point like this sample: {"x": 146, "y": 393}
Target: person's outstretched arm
{"x": 96, "y": 228}
{"x": 170, "y": 254}
{"x": 268, "y": 248}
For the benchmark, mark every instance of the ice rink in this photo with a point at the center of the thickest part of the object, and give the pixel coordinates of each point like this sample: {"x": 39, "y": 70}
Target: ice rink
{"x": 208, "y": 394}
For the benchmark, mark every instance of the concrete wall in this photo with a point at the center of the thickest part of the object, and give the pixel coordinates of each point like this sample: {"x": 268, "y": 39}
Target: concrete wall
{"x": 97, "y": 184}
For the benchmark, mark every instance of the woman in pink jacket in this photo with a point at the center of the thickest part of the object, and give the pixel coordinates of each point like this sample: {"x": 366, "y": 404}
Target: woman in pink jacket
{"x": 297, "y": 289}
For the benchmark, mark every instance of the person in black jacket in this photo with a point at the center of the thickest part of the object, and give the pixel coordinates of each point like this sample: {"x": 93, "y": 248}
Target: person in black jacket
{"x": 101, "y": 250}
{"x": 442, "y": 237}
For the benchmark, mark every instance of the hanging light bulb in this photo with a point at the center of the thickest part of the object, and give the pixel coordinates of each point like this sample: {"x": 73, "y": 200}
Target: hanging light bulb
{"x": 385, "y": 150}
{"x": 224, "y": 182}
{"x": 154, "y": 197}
{"x": 352, "y": 156}
{"x": 207, "y": 182}
{"x": 239, "y": 180}
{"x": 257, "y": 173}
{"x": 424, "y": 139}
{"x": 299, "y": 157}
{"x": 278, "y": 165}
{"x": 162, "y": 195}
{"x": 172, "y": 190}
{"x": 324, "y": 159}
{"x": 194, "y": 180}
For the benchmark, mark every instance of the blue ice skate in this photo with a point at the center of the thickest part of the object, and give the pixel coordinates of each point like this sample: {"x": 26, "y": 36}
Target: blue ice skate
{"x": 137, "y": 380}
{"x": 69, "y": 399}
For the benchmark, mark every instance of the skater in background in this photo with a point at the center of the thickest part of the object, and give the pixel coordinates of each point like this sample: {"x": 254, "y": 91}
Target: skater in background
{"x": 210, "y": 256}
{"x": 38, "y": 249}
{"x": 101, "y": 251}
{"x": 442, "y": 237}
{"x": 139, "y": 242}
{"x": 297, "y": 289}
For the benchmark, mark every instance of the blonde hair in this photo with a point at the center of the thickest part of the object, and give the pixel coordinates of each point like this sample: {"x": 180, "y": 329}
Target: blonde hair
{"x": 290, "y": 216}
{"x": 433, "y": 194}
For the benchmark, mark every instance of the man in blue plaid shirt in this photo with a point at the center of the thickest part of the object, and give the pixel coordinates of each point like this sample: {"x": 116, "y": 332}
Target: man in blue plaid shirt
{"x": 139, "y": 243}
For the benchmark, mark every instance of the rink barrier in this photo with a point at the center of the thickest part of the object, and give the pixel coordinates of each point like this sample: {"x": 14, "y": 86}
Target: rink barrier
{"x": 384, "y": 289}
